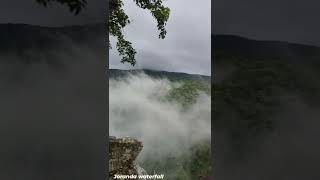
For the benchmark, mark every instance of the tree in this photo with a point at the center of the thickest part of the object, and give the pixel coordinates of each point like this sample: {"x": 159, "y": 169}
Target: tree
{"x": 118, "y": 20}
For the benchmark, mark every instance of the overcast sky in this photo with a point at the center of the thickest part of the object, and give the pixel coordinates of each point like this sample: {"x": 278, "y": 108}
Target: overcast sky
{"x": 285, "y": 20}
{"x": 187, "y": 46}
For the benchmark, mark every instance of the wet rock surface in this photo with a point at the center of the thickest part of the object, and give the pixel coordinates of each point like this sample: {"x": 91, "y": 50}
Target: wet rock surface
{"x": 122, "y": 155}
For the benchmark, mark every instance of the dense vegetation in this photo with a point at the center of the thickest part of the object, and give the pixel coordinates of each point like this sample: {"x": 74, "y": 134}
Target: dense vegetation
{"x": 187, "y": 93}
{"x": 265, "y": 78}
{"x": 196, "y": 163}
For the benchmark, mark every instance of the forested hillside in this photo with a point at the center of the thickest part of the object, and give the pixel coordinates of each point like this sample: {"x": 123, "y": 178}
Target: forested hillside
{"x": 264, "y": 93}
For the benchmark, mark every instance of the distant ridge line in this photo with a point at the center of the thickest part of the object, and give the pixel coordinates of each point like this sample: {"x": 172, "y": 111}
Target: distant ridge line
{"x": 160, "y": 71}
{"x": 236, "y": 37}
{"x": 118, "y": 73}
{"x": 259, "y": 49}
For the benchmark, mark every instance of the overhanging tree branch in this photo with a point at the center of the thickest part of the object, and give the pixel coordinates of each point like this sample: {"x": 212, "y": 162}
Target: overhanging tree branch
{"x": 118, "y": 20}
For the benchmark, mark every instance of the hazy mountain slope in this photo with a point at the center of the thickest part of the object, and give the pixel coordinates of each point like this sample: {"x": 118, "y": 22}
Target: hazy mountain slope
{"x": 265, "y": 49}
{"x": 255, "y": 77}
{"x": 266, "y": 97}
{"x": 24, "y": 36}
{"x": 42, "y": 44}
{"x": 186, "y": 94}
{"x": 176, "y": 76}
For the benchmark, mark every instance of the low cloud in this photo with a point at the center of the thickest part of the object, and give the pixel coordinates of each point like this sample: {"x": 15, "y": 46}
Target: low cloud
{"x": 137, "y": 108}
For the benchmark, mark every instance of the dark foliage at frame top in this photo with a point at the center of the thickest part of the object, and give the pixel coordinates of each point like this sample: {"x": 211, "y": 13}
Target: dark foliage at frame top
{"x": 118, "y": 19}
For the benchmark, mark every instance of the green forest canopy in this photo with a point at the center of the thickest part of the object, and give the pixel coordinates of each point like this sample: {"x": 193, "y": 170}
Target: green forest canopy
{"x": 118, "y": 20}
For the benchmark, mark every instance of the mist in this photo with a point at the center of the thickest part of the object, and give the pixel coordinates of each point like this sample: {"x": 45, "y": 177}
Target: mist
{"x": 138, "y": 108}
{"x": 53, "y": 119}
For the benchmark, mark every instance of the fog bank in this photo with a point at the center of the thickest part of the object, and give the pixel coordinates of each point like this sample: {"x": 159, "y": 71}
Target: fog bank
{"x": 138, "y": 108}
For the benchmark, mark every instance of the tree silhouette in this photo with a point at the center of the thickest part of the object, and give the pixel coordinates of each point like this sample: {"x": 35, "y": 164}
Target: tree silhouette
{"x": 75, "y": 6}
{"x": 118, "y": 20}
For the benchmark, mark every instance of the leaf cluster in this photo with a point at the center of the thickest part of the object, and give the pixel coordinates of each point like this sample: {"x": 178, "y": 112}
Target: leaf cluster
{"x": 118, "y": 20}
{"x": 75, "y": 6}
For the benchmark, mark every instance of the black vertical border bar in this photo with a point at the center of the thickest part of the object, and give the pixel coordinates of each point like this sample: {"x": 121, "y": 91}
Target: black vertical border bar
{"x": 212, "y": 100}
{"x": 106, "y": 70}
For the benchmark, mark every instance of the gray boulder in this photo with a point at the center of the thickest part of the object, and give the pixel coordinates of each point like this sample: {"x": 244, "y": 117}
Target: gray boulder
{"x": 122, "y": 155}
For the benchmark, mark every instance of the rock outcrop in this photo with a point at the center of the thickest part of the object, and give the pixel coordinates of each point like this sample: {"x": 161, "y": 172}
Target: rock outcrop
{"x": 122, "y": 155}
